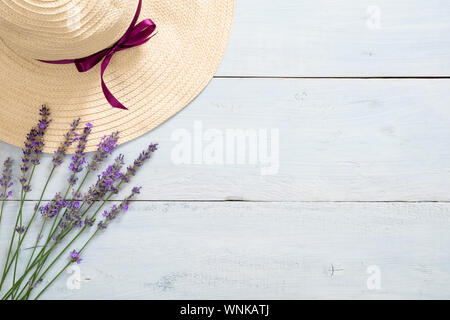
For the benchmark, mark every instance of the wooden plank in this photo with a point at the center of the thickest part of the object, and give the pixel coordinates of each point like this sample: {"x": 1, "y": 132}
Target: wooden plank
{"x": 339, "y": 140}
{"x": 339, "y": 38}
{"x": 224, "y": 250}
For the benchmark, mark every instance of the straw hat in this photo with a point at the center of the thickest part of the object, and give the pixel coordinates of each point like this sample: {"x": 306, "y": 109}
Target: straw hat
{"x": 154, "y": 80}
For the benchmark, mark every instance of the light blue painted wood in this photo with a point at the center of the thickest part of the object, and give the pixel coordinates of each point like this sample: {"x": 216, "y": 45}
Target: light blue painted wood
{"x": 339, "y": 38}
{"x": 214, "y": 250}
{"x": 340, "y": 140}
{"x": 352, "y": 140}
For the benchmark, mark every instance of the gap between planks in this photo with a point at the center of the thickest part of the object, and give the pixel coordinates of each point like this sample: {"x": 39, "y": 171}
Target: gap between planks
{"x": 263, "y": 201}
{"x": 333, "y": 77}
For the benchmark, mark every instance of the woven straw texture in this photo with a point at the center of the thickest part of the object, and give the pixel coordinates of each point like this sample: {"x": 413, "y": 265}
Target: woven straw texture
{"x": 154, "y": 81}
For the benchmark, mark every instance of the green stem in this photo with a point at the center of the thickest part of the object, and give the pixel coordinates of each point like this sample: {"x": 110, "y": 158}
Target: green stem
{"x": 6, "y": 268}
{"x": 21, "y": 239}
{"x": 1, "y": 211}
{"x": 19, "y": 243}
{"x": 41, "y": 261}
{"x": 34, "y": 276}
{"x": 8, "y": 265}
{"x": 53, "y": 228}
{"x": 64, "y": 268}
{"x": 14, "y": 287}
{"x": 36, "y": 243}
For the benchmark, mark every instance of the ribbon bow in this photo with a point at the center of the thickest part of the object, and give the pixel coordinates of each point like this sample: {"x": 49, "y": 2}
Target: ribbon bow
{"x": 136, "y": 35}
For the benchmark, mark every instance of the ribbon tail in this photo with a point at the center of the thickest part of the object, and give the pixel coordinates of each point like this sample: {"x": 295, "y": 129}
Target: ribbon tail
{"x": 108, "y": 95}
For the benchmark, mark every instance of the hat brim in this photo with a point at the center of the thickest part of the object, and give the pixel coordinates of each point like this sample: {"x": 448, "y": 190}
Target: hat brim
{"x": 154, "y": 81}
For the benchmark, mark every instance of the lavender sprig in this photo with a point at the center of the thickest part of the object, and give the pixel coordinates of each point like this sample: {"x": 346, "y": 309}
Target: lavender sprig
{"x": 32, "y": 151}
{"x": 105, "y": 181}
{"x": 5, "y": 183}
{"x": 105, "y": 148}
{"x": 143, "y": 156}
{"x": 5, "y": 180}
{"x": 116, "y": 210}
{"x": 131, "y": 171}
{"x": 52, "y": 208}
{"x": 73, "y": 217}
{"x": 69, "y": 138}
{"x": 58, "y": 202}
{"x": 38, "y": 144}
{"x": 79, "y": 158}
{"x": 75, "y": 257}
{"x": 107, "y": 184}
{"x": 20, "y": 229}
{"x": 33, "y": 146}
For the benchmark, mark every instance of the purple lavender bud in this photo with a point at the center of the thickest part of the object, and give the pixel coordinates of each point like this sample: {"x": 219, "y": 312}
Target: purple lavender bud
{"x": 69, "y": 138}
{"x": 105, "y": 181}
{"x": 34, "y": 284}
{"x": 145, "y": 155}
{"x": 79, "y": 158}
{"x": 115, "y": 210}
{"x": 5, "y": 179}
{"x": 101, "y": 225}
{"x": 89, "y": 222}
{"x": 20, "y": 229}
{"x": 77, "y": 195}
{"x": 136, "y": 190}
{"x": 34, "y": 144}
{"x": 38, "y": 143}
{"x": 75, "y": 257}
{"x": 52, "y": 208}
{"x": 106, "y": 147}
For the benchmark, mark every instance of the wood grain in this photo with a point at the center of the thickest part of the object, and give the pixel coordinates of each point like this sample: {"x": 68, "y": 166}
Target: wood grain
{"x": 363, "y": 174}
{"x": 213, "y": 250}
{"x": 339, "y": 140}
{"x": 339, "y": 38}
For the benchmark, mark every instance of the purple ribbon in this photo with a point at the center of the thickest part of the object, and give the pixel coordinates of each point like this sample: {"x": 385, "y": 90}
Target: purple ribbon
{"x": 136, "y": 35}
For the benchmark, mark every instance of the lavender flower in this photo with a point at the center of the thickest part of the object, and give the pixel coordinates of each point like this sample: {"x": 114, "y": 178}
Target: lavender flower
{"x": 5, "y": 179}
{"x": 34, "y": 145}
{"x": 105, "y": 181}
{"x": 42, "y": 126}
{"x": 145, "y": 155}
{"x": 116, "y": 210}
{"x": 75, "y": 257}
{"x": 89, "y": 222}
{"x": 72, "y": 218}
{"x": 20, "y": 229}
{"x": 27, "y": 156}
{"x": 52, "y": 208}
{"x": 101, "y": 225}
{"x": 69, "y": 138}
{"x": 106, "y": 147}
{"x": 78, "y": 159}
{"x": 34, "y": 284}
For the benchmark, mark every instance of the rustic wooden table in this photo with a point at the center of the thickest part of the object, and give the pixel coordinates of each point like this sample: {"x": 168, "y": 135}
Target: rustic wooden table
{"x": 342, "y": 189}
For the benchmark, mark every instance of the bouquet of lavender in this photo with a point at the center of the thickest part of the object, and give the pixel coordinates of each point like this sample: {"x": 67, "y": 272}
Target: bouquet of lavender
{"x": 69, "y": 214}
